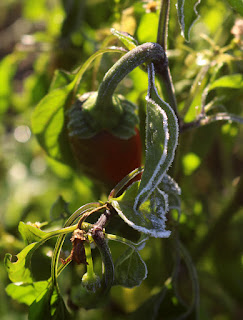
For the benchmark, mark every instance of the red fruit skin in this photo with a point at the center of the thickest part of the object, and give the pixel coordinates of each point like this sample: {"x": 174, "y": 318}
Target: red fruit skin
{"x": 106, "y": 158}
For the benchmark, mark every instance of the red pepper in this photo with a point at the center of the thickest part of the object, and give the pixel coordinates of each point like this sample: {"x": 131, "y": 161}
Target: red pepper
{"x": 107, "y": 158}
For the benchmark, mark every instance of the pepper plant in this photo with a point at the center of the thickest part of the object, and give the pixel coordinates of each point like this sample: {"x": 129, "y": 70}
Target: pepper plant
{"x": 100, "y": 134}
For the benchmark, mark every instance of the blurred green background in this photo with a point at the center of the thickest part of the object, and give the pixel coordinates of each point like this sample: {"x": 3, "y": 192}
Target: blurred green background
{"x": 38, "y": 37}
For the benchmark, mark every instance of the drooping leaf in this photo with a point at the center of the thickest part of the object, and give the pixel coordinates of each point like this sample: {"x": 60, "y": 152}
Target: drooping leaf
{"x": 147, "y": 213}
{"x": 187, "y": 14}
{"x": 233, "y": 81}
{"x": 26, "y": 292}
{"x": 130, "y": 269}
{"x": 30, "y": 233}
{"x": 125, "y": 38}
{"x": 161, "y": 142}
{"x": 237, "y": 5}
{"x": 149, "y": 218}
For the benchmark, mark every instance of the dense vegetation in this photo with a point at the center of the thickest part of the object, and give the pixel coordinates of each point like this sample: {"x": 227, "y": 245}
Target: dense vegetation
{"x": 189, "y": 266}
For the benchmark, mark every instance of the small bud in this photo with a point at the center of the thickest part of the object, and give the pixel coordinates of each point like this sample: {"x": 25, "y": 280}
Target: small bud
{"x": 91, "y": 282}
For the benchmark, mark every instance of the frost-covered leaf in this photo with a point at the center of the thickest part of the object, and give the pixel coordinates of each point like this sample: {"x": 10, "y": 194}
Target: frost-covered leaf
{"x": 26, "y": 292}
{"x": 222, "y": 116}
{"x": 125, "y": 38}
{"x": 161, "y": 142}
{"x": 150, "y": 217}
{"x": 30, "y": 233}
{"x": 130, "y": 269}
{"x": 173, "y": 191}
{"x": 233, "y": 81}
{"x": 144, "y": 204}
{"x": 187, "y": 13}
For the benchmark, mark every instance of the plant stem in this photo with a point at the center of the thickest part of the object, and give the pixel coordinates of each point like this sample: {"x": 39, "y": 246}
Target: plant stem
{"x": 60, "y": 240}
{"x": 147, "y": 52}
{"x": 161, "y": 68}
{"x": 163, "y": 24}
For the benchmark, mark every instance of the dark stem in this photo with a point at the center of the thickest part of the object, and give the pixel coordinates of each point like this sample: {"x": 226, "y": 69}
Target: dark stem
{"x": 163, "y": 24}
{"x": 100, "y": 241}
{"x": 162, "y": 69}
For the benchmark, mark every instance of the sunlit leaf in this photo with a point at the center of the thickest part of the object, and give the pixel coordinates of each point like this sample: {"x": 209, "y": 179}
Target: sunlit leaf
{"x": 234, "y": 81}
{"x": 26, "y": 292}
{"x": 130, "y": 269}
{"x": 147, "y": 29}
{"x": 8, "y": 68}
{"x": 187, "y": 13}
{"x": 125, "y": 38}
{"x": 30, "y": 233}
{"x": 19, "y": 271}
{"x": 61, "y": 78}
{"x": 48, "y": 123}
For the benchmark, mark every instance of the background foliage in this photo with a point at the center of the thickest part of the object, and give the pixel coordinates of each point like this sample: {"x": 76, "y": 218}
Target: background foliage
{"x": 37, "y": 38}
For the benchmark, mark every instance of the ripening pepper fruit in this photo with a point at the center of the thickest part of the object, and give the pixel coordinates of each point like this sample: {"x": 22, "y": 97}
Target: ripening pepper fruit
{"x": 103, "y": 126}
{"x": 103, "y": 155}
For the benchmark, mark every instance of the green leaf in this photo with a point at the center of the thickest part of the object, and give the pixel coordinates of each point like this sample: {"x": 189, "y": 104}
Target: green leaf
{"x": 130, "y": 269}
{"x": 49, "y": 305}
{"x": 8, "y": 68}
{"x": 234, "y": 81}
{"x": 30, "y": 233}
{"x": 48, "y": 123}
{"x": 59, "y": 209}
{"x": 26, "y": 292}
{"x": 147, "y": 29}
{"x": 187, "y": 14}
{"x": 60, "y": 79}
{"x": 19, "y": 271}
{"x": 237, "y": 5}
{"x": 125, "y": 38}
